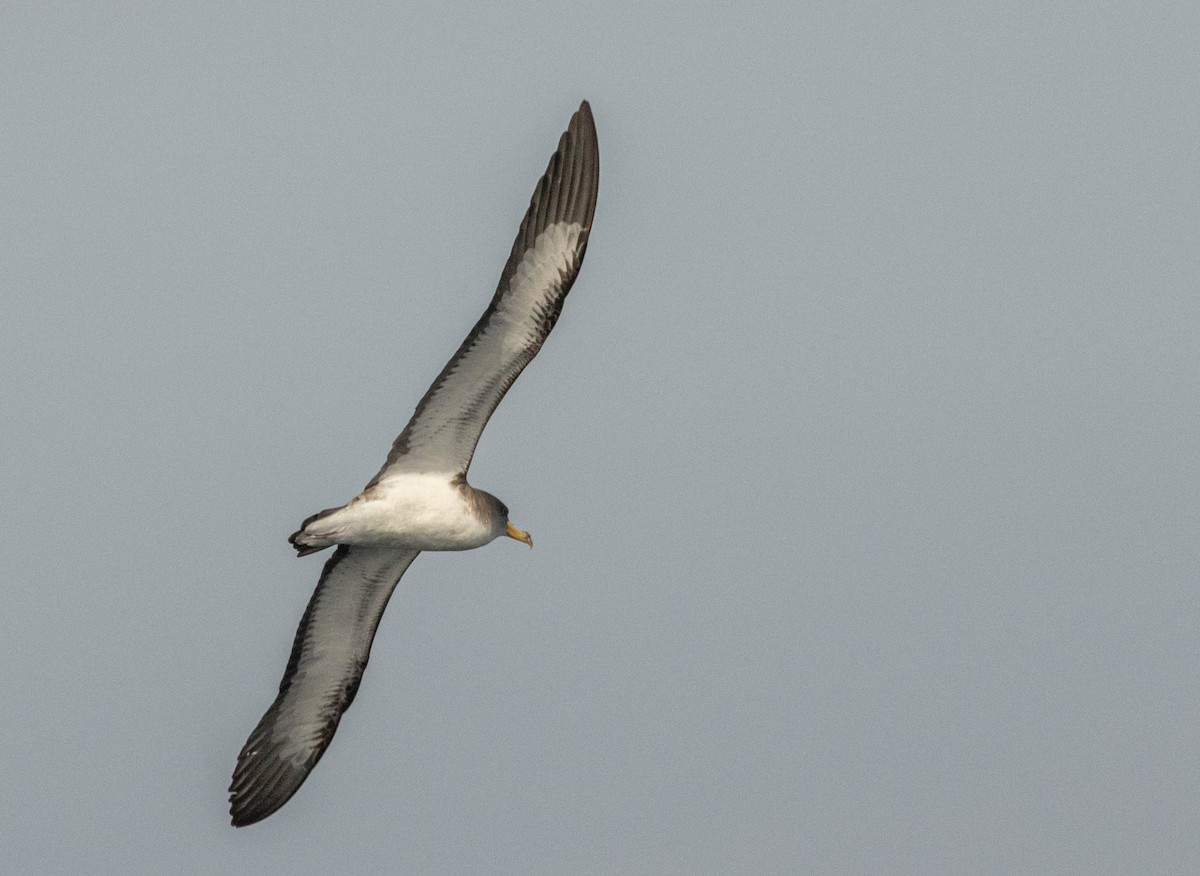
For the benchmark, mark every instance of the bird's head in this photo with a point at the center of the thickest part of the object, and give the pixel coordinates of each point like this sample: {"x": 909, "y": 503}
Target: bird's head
{"x": 499, "y": 513}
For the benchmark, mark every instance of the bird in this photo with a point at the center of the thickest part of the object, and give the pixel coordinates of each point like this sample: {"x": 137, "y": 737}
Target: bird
{"x": 420, "y": 499}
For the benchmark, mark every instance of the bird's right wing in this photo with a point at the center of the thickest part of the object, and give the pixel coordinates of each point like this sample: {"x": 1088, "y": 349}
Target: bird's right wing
{"x": 545, "y": 258}
{"x": 328, "y": 658}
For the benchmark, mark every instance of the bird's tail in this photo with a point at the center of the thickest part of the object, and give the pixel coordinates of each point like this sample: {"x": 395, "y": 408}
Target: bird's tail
{"x": 306, "y": 542}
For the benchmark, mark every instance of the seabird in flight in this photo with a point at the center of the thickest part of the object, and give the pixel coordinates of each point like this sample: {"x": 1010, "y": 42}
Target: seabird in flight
{"x": 420, "y": 500}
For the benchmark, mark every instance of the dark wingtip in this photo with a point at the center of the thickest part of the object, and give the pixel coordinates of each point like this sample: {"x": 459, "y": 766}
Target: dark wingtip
{"x": 250, "y": 814}
{"x": 262, "y": 781}
{"x": 567, "y": 190}
{"x": 244, "y": 815}
{"x": 242, "y": 819}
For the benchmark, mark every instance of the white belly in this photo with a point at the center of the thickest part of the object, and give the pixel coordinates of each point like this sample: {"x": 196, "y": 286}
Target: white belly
{"x": 412, "y": 510}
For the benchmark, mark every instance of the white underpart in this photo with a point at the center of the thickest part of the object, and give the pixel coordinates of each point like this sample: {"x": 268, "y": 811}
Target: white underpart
{"x": 420, "y": 511}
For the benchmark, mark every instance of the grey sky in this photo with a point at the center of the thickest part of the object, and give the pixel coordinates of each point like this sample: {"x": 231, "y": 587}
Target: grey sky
{"x": 862, "y": 465}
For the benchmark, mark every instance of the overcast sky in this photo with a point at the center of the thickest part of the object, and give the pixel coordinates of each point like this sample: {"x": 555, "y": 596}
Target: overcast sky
{"x": 863, "y": 466}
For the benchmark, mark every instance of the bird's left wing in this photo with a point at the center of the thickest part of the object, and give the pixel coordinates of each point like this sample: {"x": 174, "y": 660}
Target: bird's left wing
{"x": 443, "y": 432}
{"x": 327, "y": 662}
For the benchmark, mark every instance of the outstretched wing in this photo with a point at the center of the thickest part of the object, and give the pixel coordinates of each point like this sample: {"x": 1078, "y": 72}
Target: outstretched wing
{"x": 443, "y": 432}
{"x": 328, "y": 658}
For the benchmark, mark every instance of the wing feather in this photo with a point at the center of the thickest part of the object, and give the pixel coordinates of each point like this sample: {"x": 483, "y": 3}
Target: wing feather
{"x": 545, "y": 259}
{"x": 328, "y": 657}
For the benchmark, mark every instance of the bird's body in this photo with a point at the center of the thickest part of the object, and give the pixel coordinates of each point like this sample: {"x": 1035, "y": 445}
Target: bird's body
{"x": 420, "y": 500}
{"x": 424, "y": 512}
